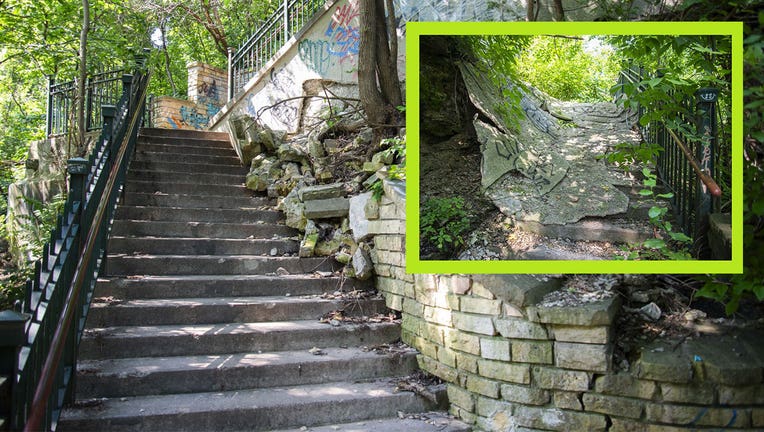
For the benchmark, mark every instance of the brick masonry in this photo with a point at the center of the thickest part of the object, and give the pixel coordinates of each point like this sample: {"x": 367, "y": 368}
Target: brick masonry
{"x": 511, "y": 365}
{"x": 207, "y": 92}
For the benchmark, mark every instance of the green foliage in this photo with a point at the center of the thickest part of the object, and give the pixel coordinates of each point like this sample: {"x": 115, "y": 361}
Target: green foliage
{"x": 396, "y": 150}
{"x": 730, "y": 290}
{"x": 568, "y": 68}
{"x": 443, "y": 223}
{"x": 499, "y": 56}
{"x": 625, "y": 155}
{"x": 676, "y": 246}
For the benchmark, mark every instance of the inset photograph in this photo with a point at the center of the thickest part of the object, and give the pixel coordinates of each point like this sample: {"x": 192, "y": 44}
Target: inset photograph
{"x": 581, "y": 147}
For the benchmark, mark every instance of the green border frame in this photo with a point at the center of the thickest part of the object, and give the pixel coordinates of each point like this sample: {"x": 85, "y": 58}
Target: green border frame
{"x": 416, "y": 29}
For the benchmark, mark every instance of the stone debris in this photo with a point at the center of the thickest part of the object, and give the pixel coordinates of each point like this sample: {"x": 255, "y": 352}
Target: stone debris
{"x": 651, "y": 311}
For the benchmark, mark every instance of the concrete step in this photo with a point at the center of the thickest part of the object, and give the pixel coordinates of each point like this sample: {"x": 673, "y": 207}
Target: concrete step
{"x": 152, "y": 287}
{"x": 170, "y": 188}
{"x": 179, "y": 214}
{"x": 228, "y": 338}
{"x": 227, "y": 372}
{"x": 433, "y": 421}
{"x": 186, "y": 167}
{"x": 198, "y": 178}
{"x": 139, "y": 228}
{"x": 149, "y": 146}
{"x": 187, "y": 141}
{"x": 615, "y": 231}
{"x": 201, "y": 246}
{"x": 159, "y": 199}
{"x": 123, "y": 265}
{"x": 183, "y": 134}
{"x": 175, "y": 156}
{"x": 246, "y": 410}
{"x": 106, "y": 312}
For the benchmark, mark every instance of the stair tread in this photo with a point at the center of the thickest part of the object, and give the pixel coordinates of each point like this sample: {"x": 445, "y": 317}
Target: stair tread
{"x": 231, "y": 328}
{"x": 100, "y": 302}
{"x": 433, "y": 421}
{"x": 239, "y": 402}
{"x": 144, "y": 366}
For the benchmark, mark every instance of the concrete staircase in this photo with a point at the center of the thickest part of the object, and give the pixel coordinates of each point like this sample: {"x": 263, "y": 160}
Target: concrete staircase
{"x": 207, "y": 319}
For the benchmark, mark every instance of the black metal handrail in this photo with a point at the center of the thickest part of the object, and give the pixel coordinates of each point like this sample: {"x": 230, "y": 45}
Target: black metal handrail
{"x": 272, "y": 34}
{"x": 51, "y": 317}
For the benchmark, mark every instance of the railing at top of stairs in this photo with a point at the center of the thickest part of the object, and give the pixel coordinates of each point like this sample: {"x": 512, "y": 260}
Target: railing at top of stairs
{"x": 272, "y": 34}
{"x": 39, "y": 340}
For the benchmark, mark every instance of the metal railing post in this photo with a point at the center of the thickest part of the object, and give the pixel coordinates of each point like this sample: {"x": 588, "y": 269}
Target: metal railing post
{"x": 230, "y": 73}
{"x": 77, "y": 169}
{"x": 286, "y": 21}
{"x": 12, "y": 337}
{"x": 705, "y": 109}
{"x": 49, "y": 119}
{"x": 127, "y": 83}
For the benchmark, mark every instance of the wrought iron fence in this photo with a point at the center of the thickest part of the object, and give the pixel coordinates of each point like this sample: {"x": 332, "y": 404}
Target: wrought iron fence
{"x": 39, "y": 340}
{"x": 103, "y": 88}
{"x": 687, "y": 165}
{"x": 271, "y": 35}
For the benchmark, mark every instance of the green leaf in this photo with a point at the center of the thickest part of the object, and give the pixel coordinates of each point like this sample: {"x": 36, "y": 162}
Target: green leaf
{"x": 645, "y": 192}
{"x": 655, "y": 212}
{"x": 668, "y": 195}
{"x": 654, "y": 244}
{"x": 650, "y": 182}
{"x": 679, "y": 236}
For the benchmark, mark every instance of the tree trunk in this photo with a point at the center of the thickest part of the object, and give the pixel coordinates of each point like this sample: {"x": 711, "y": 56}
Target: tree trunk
{"x": 559, "y": 12}
{"x": 82, "y": 76}
{"x": 378, "y": 83}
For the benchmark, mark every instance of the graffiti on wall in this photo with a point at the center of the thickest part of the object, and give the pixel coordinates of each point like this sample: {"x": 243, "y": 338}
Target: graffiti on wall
{"x": 275, "y": 103}
{"x": 337, "y": 47}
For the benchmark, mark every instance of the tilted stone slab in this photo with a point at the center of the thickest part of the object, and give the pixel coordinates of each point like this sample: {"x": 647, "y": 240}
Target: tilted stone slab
{"x": 588, "y": 314}
{"x": 321, "y": 192}
{"x": 327, "y": 208}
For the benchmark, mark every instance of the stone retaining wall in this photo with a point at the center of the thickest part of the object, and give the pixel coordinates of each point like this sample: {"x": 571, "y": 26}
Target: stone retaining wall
{"x": 512, "y": 364}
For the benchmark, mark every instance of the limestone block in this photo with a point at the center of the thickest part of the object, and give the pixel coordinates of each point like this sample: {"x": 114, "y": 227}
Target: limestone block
{"x": 413, "y": 307}
{"x": 520, "y": 290}
{"x": 526, "y": 351}
{"x": 480, "y": 305}
{"x": 665, "y": 365}
{"x": 496, "y": 414}
{"x": 321, "y": 192}
{"x": 567, "y": 400}
{"x": 558, "y": 420}
{"x": 458, "y": 285}
{"x": 702, "y": 394}
{"x": 527, "y": 395}
{"x": 741, "y": 395}
{"x": 308, "y": 245}
{"x": 393, "y": 302}
{"x": 447, "y": 357}
{"x": 474, "y": 323}
{"x": 390, "y": 285}
{"x": 618, "y": 406}
{"x": 599, "y": 313}
{"x": 697, "y": 415}
{"x": 520, "y": 329}
{"x": 624, "y": 384}
{"x": 294, "y": 211}
{"x": 362, "y": 263}
{"x": 460, "y": 397}
{"x": 441, "y": 371}
{"x": 589, "y": 357}
{"x": 438, "y": 315}
{"x": 589, "y": 335}
{"x": 326, "y": 208}
{"x": 494, "y": 348}
{"x": 558, "y": 379}
{"x": 483, "y": 386}
{"x": 467, "y": 362}
{"x": 359, "y": 223}
{"x": 462, "y": 341}
{"x": 509, "y": 372}
{"x": 387, "y": 227}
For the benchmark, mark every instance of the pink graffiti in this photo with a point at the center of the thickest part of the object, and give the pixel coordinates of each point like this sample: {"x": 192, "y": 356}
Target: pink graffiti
{"x": 344, "y": 15}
